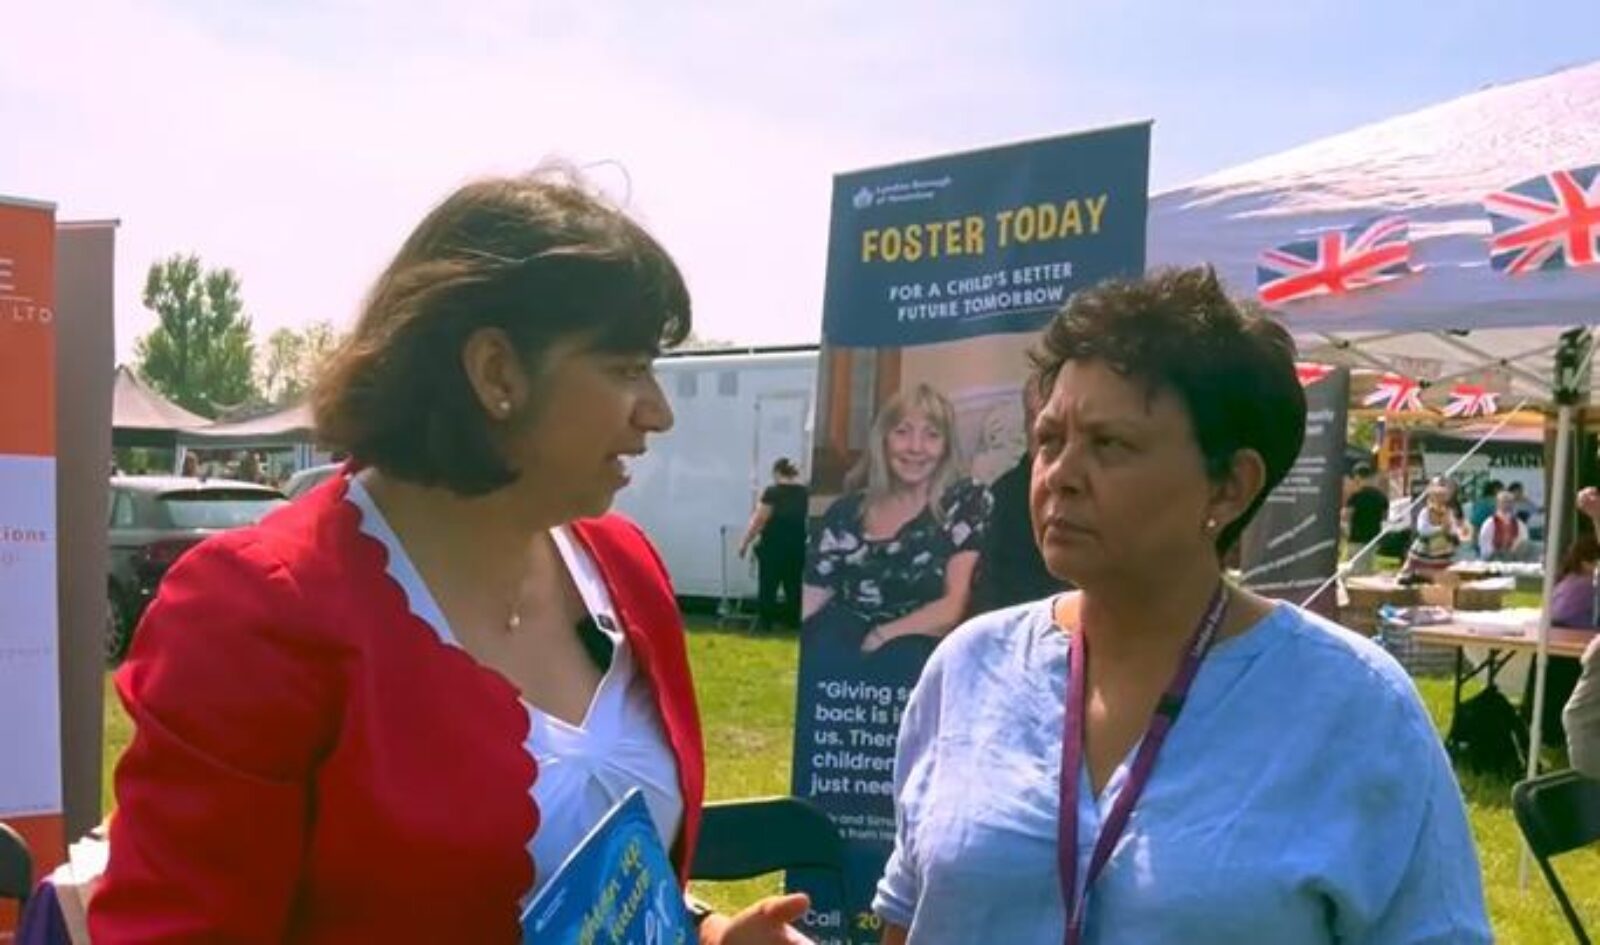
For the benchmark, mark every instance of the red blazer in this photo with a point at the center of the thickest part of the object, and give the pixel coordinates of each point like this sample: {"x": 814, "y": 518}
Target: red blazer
{"x": 311, "y": 763}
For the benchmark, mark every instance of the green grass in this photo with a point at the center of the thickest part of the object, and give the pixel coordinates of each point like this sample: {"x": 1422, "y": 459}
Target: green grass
{"x": 1518, "y": 915}
{"x": 1520, "y": 599}
{"x": 746, "y": 686}
{"x": 119, "y": 730}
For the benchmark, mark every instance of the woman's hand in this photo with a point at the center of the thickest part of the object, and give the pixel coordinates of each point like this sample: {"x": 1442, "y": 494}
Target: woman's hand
{"x": 764, "y": 923}
{"x": 813, "y": 599}
{"x": 1589, "y": 502}
{"x": 875, "y": 639}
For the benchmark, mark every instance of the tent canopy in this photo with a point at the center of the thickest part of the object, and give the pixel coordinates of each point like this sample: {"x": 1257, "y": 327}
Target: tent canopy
{"x": 142, "y": 417}
{"x": 1455, "y": 317}
{"x": 288, "y": 427}
{"x": 1434, "y": 167}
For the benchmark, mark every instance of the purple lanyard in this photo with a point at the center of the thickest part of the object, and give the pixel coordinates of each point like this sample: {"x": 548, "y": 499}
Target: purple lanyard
{"x": 1143, "y": 762}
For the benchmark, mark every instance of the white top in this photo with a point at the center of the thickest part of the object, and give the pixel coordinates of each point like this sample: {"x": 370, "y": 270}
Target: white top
{"x": 584, "y": 770}
{"x": 1486, "y": 538}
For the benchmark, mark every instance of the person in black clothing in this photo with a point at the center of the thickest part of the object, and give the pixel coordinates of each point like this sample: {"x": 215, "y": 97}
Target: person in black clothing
{"x": 1010, "y": 568}
{"x": 1365, "y": 511}
{"x": 778, "y": 530}
{"x": 1524, "y": 506}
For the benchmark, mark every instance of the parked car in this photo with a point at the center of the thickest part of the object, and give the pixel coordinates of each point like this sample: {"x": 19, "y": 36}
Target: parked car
{"x": 154, "y": 520}
{"x": 309, "y": 478}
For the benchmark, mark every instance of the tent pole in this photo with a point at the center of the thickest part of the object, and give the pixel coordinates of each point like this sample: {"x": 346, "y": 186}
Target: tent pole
{"x": 1571, "y": 385}
{"x": 1405, "y": 460}
{"x": 1555, "y": 512}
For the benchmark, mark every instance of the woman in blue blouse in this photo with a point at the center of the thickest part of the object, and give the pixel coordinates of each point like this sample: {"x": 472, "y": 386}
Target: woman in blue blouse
{"x": 1230, "y": 769}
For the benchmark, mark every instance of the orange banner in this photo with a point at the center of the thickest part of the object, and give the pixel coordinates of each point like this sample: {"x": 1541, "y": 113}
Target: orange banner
{"x": 30, "y": 706}
{"x": 27, "y": 330}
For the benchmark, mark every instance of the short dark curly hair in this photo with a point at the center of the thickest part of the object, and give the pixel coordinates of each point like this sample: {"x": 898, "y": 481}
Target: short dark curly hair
{"x": 1177, "y": 330}
{"x": 542, "y": 258}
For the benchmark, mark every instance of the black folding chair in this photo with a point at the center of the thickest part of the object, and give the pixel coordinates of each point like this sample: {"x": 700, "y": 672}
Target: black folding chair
{"x": 16, "y": 866}
{"x": 1558, "y": 813}
{"x": 746, "y": 838}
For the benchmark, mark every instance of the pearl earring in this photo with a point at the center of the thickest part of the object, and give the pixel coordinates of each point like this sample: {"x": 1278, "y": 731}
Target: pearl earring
{"x": 503, "y": 408}
{"x": 1211, "y": 524}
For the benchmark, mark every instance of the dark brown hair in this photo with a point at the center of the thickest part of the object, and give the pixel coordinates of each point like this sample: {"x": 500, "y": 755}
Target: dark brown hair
{"x": 1583, "y": 550}
{"x": 1177, "y": 330}
{"x": 539, "y": 257}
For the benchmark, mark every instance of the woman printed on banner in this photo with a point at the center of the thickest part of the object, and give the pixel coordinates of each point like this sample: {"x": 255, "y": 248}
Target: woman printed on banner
{"x": 894, "y": 559}
{"x": 388, "y": 712}
{"x": 1162, "y": 756}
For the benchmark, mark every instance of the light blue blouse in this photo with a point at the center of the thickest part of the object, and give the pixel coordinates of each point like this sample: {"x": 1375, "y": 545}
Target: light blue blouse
{"x": 1302, "y": 797}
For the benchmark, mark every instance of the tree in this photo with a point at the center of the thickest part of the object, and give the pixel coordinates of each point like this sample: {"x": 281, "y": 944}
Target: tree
{"x": 291, "y": 360}
{"x": 200, "y": 355}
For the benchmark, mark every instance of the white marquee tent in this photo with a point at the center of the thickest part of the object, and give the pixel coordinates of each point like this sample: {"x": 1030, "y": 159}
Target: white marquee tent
{"x": 1433, "y": 166}
{"x": 1457, "y": 316}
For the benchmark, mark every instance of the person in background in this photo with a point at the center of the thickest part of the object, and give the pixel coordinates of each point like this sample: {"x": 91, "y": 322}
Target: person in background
{"x": 391, "y": 710}
{"x": 897, "y": 556}
{"x": 1503, "y": 536}
{"x": 778, "y": 530}
{"x": 1573, "y": 603}
{"x": 1483, "y": 505}
{"x": 1454, "y": 486}
{"x": 1010, "y": 569}
{"x": 1524, "y": 505}
{"x": 1440, "y": 531}
{"x": 1118, "y": 752}
{"x": 191, "y": 465}
{"x": 1364, "y": 514}
{"x": 1582, "y": 715}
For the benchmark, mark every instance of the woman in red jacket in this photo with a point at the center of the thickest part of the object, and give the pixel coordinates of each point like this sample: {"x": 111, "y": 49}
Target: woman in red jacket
{"x": 390, "y": 710}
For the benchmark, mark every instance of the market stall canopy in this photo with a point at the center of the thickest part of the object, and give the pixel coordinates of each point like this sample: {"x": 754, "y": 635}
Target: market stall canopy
{"x": 289, "y": 427}
{"x": 1434, "y": 167}
{"x": 140, "y": 417}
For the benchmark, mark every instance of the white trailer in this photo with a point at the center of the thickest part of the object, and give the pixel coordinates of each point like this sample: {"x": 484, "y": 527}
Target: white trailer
{"x": 737, "y": 412}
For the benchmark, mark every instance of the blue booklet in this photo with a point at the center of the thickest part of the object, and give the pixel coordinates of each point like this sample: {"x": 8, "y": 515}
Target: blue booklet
{"x": 617, "y": 888}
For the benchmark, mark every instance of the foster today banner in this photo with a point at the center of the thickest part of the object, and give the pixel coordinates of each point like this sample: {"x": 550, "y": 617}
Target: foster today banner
{"x": 30, "y": 723}
{"x": 941, "y": 272}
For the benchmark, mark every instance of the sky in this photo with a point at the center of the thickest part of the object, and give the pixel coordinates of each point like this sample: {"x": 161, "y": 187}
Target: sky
{"x": 297, "y": 142}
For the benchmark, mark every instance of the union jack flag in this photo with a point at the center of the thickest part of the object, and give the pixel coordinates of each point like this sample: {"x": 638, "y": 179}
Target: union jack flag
{"x": 1547, "y": 222}
{"x": 1336, "y": 262}
{"x": 1471, "y": 400}
{"x": 1397, "y": 394}
{"x": 1310, "y": 373}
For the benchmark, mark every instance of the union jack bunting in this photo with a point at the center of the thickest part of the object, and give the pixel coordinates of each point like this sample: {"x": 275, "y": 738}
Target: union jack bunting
{"x": 1547, "y": 222}
{"x": 1397, "y": 395}
{"x": 1311, "y": 373}
{"x": 1471, "y": 400}
{"x": 1336, "y": 262}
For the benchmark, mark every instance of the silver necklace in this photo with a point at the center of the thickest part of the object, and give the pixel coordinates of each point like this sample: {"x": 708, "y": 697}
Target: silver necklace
{"x": 514, "y": 620}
